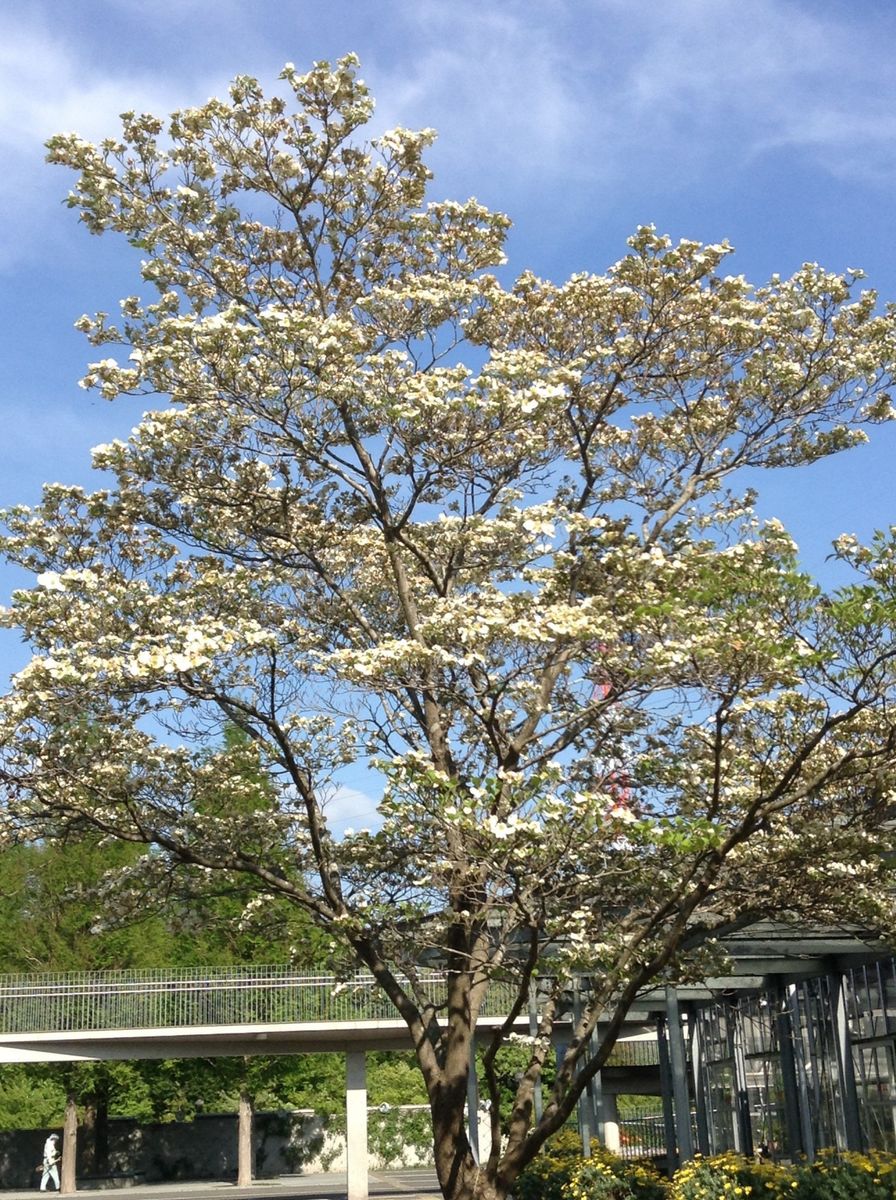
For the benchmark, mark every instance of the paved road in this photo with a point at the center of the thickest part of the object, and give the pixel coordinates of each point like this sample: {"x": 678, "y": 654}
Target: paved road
{"x": 394, "y": 1185}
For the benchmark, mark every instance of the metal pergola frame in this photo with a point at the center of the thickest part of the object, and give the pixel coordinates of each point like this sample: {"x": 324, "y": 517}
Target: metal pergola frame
{"x": 812, "y": 1063}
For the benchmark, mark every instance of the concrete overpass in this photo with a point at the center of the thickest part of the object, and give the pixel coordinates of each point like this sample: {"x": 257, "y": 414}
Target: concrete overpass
{"x": 108, "y": 1015}
{"x": 190, "y": 1013}
{"x": 274, "y": 1010}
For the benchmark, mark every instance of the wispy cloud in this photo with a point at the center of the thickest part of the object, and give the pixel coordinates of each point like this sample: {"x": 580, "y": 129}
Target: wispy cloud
{"x": 610, "y": 90}
{"x": 46, "y": 90}
{"x": 350, "y": 809}
{"x": 529, "y": 98}
{"x": 494, "y": 85}
{"x": 770, "y": 74}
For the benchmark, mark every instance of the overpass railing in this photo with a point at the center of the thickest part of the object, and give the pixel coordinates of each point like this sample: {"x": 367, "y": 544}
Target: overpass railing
{"x": 186, "y": 997}
{"x": 183, "y": 998}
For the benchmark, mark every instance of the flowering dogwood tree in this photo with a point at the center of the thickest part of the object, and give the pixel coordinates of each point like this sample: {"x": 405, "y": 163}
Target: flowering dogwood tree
{"x": 492, "y": 539}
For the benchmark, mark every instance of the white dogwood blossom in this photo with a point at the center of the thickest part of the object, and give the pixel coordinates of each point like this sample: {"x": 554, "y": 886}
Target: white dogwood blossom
{"x": 491, "y": 540}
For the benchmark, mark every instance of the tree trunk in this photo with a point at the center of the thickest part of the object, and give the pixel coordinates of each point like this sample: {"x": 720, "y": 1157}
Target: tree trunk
{"x": 67, "y": 1176}
{"x": 244, "y": 1153}
{"x": 460, "y": 1177}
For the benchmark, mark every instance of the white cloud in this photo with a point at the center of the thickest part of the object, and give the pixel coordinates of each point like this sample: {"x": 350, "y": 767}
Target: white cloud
{"x": 47, "y": 89}
{"x": 768, "y": 74}
{"x": 349, "y": 808}
{"x": 496, "y": 89}
{"x": 612, "y": 90}
{"x": 527, "y": 96}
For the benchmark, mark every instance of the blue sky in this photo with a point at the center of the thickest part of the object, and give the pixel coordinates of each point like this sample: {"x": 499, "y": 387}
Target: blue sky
{"x": 771, "y": 123}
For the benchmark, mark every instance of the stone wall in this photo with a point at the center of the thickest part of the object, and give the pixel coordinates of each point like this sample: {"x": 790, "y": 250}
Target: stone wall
{"x": 206, "y": 1148}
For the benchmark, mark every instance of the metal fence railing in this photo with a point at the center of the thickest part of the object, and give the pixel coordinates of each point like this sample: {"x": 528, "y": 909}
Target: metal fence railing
{"x": 642, "y": 1134}
{"x": 182, "y": 998}
{"x": 157, "y": 999}
{"x": 636, "y": 1052}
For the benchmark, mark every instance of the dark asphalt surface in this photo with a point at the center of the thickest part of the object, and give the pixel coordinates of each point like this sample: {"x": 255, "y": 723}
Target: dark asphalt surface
{"x": 384, "y": 1185}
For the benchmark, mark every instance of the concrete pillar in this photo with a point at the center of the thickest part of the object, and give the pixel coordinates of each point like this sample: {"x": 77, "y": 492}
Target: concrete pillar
{"x": 245, "y": 1159}
{"x": 356, "y": 1124}
{"x": 612, "y": 1140}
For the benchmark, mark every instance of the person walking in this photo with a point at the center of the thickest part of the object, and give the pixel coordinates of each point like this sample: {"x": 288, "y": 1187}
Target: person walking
{"x": 51, "y": 1159}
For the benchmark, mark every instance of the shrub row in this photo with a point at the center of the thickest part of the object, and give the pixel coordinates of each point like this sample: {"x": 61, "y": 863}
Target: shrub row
{"x": 836, "y": 1175}
{"x": 561, "y": 1173}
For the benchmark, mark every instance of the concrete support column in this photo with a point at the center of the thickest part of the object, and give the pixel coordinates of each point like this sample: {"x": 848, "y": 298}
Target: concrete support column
{"x": 356, "y": 1124}
{"x": 245, "y": 1159}
{"x": 612, "y": 1140}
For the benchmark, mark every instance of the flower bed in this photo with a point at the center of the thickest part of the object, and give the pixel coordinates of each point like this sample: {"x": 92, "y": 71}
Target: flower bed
{"x": 562, "y": 1173}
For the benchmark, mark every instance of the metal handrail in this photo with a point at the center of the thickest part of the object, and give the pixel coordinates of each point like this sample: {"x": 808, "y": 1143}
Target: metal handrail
{"x": 187, "y": 997}
{"x": 90, "y": 1001}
